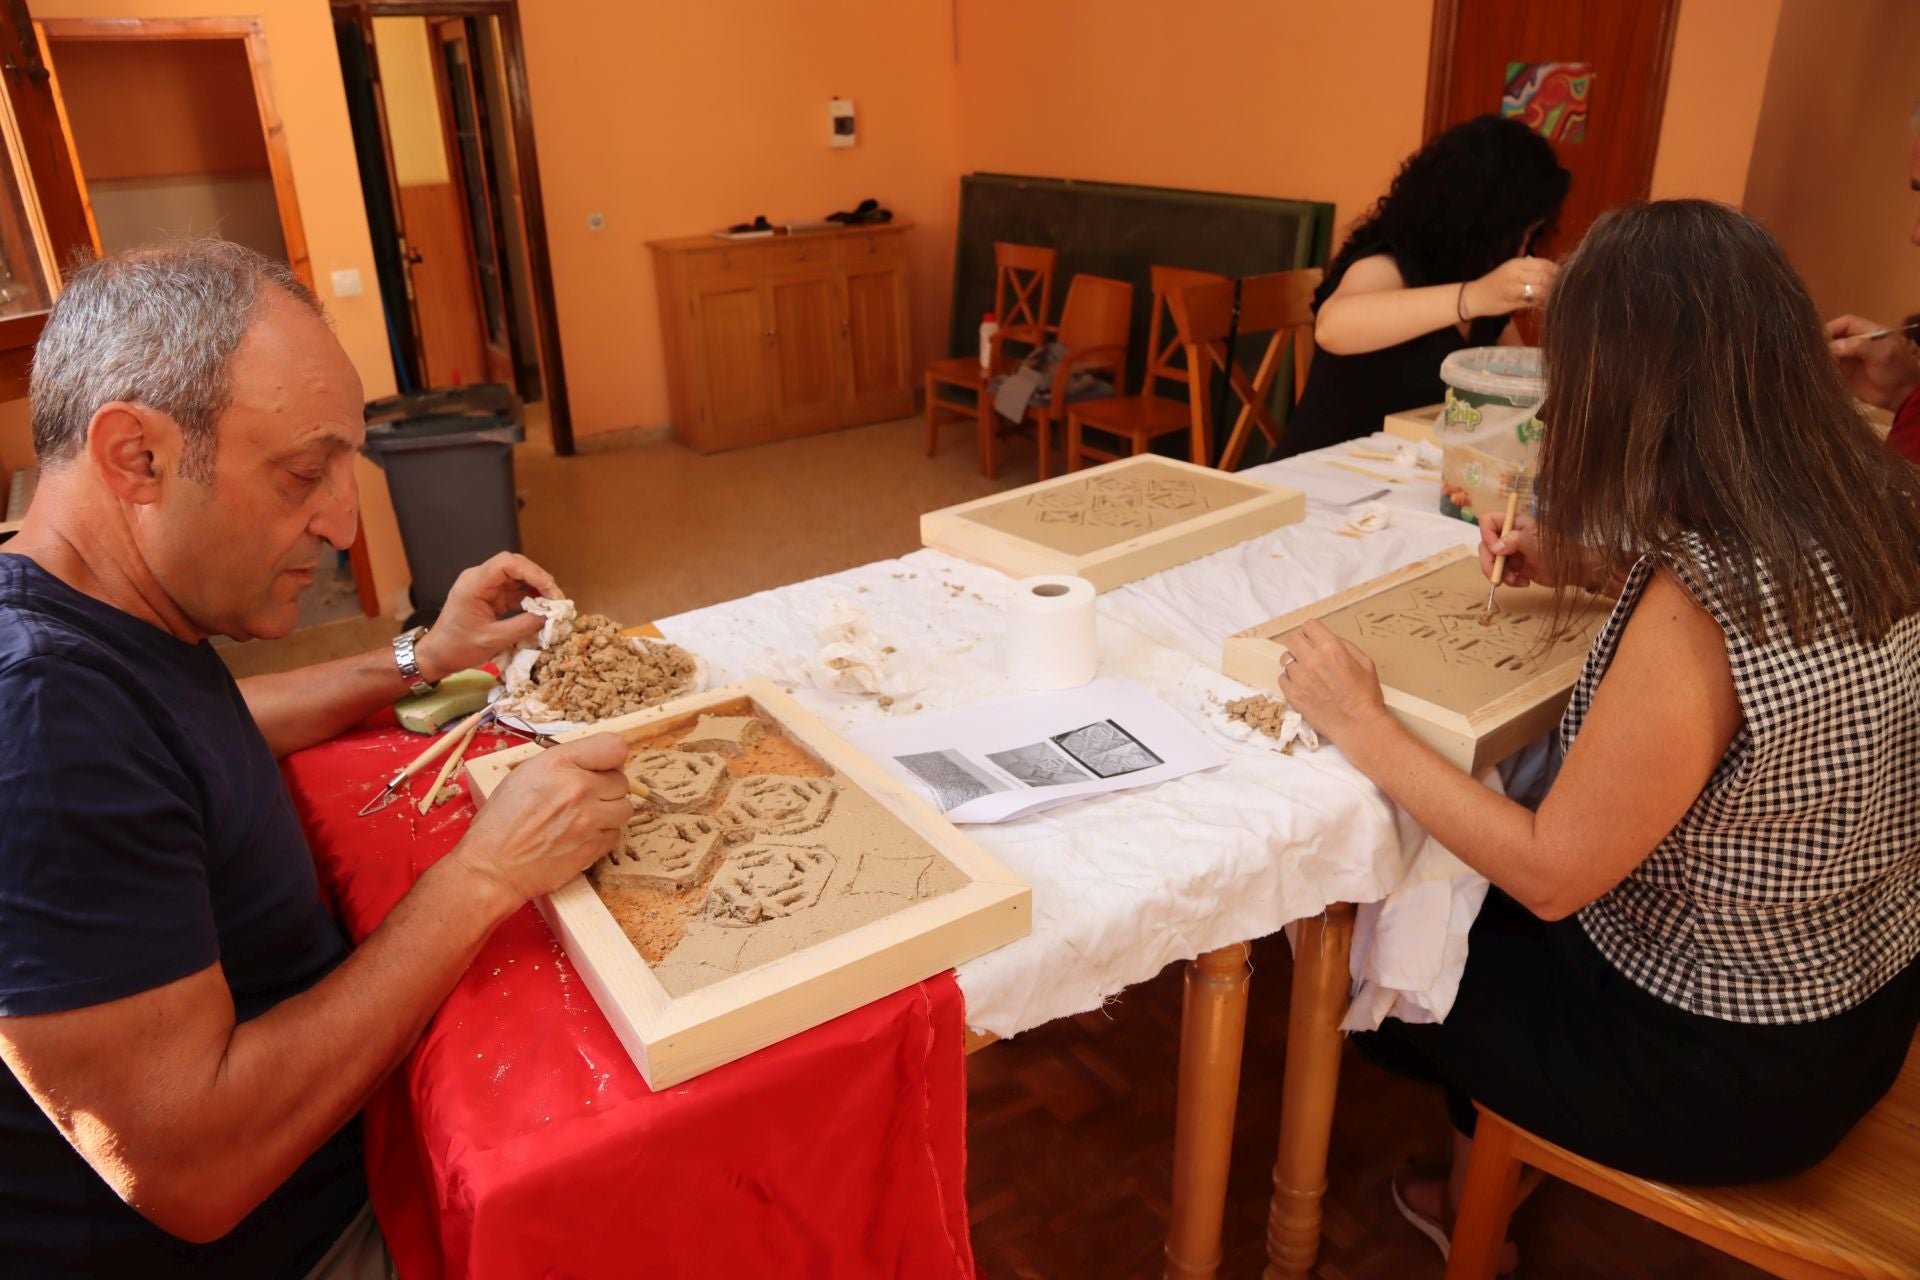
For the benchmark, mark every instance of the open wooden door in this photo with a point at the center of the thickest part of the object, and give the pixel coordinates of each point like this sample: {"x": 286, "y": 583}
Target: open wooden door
{"x": 1524, "y": 57}
{"x": 463, "y": 116}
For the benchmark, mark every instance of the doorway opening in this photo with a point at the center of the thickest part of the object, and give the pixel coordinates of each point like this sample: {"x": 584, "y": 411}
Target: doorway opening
{"x": 443, "y": 131}
{"x": 205, "y": 155}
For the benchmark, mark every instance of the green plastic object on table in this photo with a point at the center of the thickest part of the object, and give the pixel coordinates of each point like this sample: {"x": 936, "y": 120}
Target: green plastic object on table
{"x": 460, "y": 694}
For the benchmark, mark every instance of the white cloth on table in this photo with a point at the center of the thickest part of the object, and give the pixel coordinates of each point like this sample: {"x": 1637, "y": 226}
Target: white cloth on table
{"x": 1125, "y": 884}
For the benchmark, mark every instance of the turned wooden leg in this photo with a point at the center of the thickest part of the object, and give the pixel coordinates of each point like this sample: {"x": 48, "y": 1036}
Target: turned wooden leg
{"x": 1213, "y": 1030}
{"x": 1320, "y": 986}
{"x": 1073, "y": 443}
{"x": 1486, "y": 1206}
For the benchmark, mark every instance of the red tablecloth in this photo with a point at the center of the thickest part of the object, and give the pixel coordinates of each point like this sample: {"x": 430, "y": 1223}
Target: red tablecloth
{"x": 519, "y": 1140}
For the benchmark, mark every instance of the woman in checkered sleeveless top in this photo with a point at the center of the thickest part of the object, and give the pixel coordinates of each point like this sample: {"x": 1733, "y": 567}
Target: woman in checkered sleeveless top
{"x": 1698, "y": 959}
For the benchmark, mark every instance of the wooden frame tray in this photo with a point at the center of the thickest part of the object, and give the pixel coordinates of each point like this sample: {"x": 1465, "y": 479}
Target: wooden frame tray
{"x": 673, "y": 1038}
{"x": 1415, "y": 424}
{"x": 1475, "y": 694}
{"x": 1114, "y": 523}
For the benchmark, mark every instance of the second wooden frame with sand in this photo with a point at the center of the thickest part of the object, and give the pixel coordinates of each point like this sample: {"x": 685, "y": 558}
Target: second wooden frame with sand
{"x": 1114, "y": 523}
{"x": 1475, "y": 693}
{"x": 672, "y": 1038}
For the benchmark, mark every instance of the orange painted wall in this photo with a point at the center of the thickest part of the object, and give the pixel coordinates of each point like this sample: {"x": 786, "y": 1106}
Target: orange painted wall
{"x": 1290, "y": 98}
{"x": 193, "y": 99}
{"x": 674, "y": 119}
{"x": 313, "y": 108}
{"x": 1830, "y": 164}
{"x": 1715, "y": 86}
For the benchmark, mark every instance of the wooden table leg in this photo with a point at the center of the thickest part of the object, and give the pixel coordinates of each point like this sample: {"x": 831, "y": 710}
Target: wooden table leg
{"x": 1320, "y": 987}
{"x": 1213, "y": 1029}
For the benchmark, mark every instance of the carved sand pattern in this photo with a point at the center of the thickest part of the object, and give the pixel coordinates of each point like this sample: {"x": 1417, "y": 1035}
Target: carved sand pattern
{"x": 766, "y": 881}
{"x": 1432, "y": 638}
{"x": 668, "y": 852}
{"x": 1097, "y": 512}
{"x": 728, "y": 735}
{"x": 681, "y": 781}
{"x": 772, "y": 805}
{"x": 1459, "y": 627}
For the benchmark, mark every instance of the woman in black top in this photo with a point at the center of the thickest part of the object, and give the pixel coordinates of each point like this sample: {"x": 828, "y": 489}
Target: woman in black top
{"x": 1439, "y": 264}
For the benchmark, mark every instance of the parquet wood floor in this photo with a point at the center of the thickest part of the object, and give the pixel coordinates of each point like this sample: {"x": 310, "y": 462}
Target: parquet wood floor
{"x": 1070, "y": 1132}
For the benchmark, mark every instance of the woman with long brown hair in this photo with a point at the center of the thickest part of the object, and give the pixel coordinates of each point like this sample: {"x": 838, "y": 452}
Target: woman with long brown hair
{"x": 1698, "y": 960}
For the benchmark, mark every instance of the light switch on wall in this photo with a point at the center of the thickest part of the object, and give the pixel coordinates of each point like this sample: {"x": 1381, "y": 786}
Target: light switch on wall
{"x": 346, "y": 282}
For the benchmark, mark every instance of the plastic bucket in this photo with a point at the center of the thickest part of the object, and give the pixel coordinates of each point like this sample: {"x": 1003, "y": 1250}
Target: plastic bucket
{"x": 1489, "y": 434}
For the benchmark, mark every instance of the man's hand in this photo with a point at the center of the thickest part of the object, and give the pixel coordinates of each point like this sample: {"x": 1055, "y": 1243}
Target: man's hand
{"x": 470, "y": 630}
{"x": 551, "y": 818}
{"x": 1880, "y": 371}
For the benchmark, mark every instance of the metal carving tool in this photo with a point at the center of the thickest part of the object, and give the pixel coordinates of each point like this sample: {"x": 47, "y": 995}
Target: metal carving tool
{"x": 1890, "y": 330}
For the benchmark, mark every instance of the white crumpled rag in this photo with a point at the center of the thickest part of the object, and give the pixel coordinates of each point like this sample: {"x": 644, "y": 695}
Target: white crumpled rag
{"x": 1215, "y": 691}
{"x": 851, "y": 659}
{"x": 1371, "y": 518}
{"x": 516, "y": 664}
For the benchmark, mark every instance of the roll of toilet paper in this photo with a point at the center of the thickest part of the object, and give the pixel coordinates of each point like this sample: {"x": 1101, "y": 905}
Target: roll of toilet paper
{"x": 1051, "y": 640}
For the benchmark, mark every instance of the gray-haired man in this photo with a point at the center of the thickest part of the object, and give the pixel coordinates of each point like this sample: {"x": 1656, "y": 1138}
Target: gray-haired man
{"x": 187, "y": 1040}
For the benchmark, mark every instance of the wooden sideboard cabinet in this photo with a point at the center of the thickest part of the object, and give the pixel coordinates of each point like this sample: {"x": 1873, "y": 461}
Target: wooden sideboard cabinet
{"x": 773, "y": 338}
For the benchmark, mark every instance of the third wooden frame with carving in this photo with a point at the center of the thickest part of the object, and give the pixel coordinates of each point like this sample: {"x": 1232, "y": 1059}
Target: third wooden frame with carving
{"x": 1474, "y": 688}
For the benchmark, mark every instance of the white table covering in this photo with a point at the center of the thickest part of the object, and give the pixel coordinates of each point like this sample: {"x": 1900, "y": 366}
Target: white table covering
{"x": 1124, "y": 884}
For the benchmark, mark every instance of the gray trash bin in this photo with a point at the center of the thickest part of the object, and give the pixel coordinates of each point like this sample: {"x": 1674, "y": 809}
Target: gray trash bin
{"x": 451, "y": 476}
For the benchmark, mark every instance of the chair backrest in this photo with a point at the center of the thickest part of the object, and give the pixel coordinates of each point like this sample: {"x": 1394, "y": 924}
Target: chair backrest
{"x": 1162, "y": 344}
{"x": 1280, "y": 304}
{"x": 1098, "y": 313}
{"x": 1023, "y": 288}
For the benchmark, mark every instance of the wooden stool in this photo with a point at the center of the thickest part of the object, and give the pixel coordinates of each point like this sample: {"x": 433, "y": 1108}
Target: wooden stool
{"x": 1279, "y": 303}
{"x": 1140, "y": 419}
{"x": 1093, "y": 328}
{"x": 1854, "y": 1216}
{"x": 1022, "y": 296}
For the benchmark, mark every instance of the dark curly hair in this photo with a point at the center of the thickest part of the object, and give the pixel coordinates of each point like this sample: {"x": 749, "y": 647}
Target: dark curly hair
{"x": 1462, "y": 204}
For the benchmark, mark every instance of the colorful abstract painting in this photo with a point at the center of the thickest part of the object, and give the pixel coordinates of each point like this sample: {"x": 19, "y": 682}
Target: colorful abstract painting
{"x": 1550, "y": 98}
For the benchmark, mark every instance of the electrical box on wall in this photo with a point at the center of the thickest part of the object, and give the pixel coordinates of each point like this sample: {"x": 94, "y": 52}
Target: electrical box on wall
{"x": 839, "y": 122}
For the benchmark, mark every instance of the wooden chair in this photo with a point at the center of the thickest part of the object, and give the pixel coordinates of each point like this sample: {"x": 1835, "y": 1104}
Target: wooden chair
{"x": 1854, "y": 1215}
{"x": 1279, "y": 304}
{"x": 1093, "y": 328}
{"x": 1141, "y": 419}
{"x": 1022, "y": 299}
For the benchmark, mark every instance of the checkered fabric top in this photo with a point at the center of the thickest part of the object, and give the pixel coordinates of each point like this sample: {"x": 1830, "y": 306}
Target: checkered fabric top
{"x": 1790, "y": 891}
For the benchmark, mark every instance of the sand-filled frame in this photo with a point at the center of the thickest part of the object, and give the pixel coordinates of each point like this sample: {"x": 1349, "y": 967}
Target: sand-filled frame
{"x": 1473, "y": 739}
{"x": 672, "y": 1039}
{"x": 958, "y": 530}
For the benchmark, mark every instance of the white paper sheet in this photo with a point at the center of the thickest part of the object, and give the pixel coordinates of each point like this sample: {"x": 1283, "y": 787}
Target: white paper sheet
{"x": 1000, "y": 760}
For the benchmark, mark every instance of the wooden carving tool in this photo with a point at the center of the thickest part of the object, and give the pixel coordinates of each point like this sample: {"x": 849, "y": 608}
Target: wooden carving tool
{"x": 635, "y": 788}
{"x": 1506, "y": 528}
{"x": 458, "y": 733}
{"x": 465, "y": 735}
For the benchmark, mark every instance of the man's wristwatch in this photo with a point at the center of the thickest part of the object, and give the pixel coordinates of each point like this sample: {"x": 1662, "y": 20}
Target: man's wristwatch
{"x": 403, "y": 657}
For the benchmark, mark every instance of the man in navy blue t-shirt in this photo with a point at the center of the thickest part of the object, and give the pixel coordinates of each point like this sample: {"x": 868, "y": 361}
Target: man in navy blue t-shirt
{"x": 187, "y": 1039}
